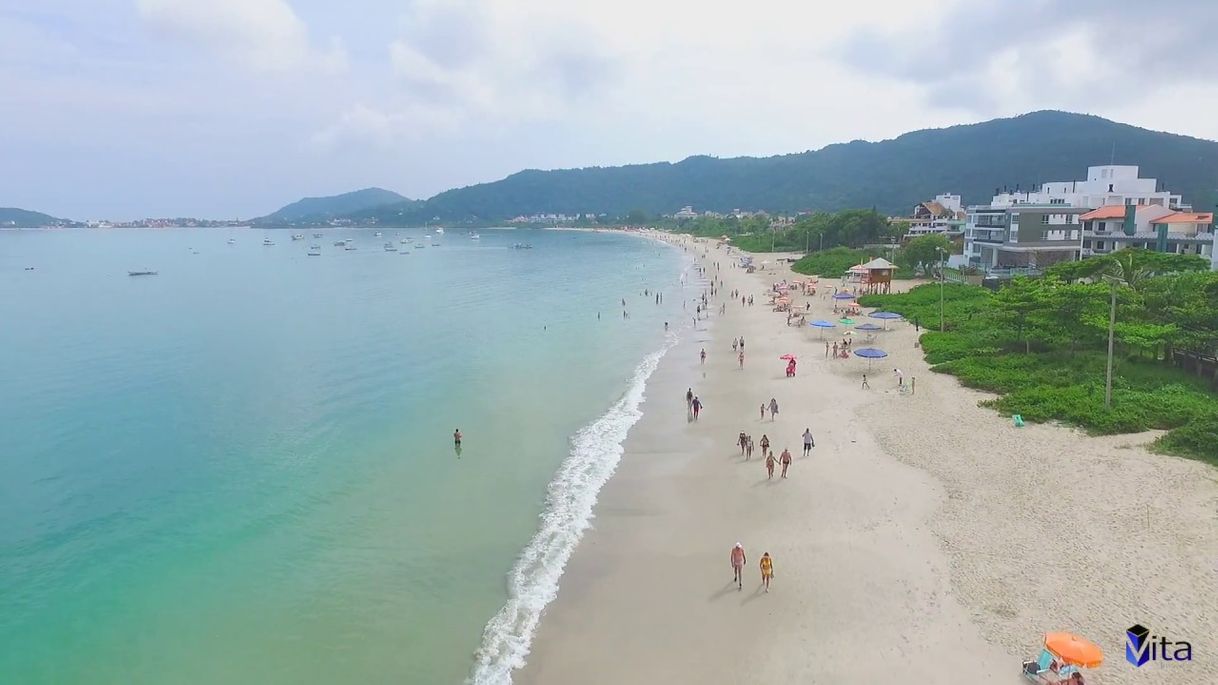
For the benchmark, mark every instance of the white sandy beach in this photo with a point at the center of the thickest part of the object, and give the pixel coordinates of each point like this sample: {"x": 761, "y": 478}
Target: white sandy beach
{"x": 926, "y": 540}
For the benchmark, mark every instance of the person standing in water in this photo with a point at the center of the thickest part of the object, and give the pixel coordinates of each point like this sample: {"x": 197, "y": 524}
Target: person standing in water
{"x": 738, "y": 560}
{"x": 457, "y": 437}
{"x": 767, "y": 570}
{"x": 773, "y": 409}
{"x": 785, "y": 460}
{"x": 809, "y": 443}
{"x": 769, "y": 466}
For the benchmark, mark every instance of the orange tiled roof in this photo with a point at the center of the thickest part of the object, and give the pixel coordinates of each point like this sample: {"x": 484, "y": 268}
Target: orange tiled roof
{"x": 1186, "y": 218}
{"x": 1105, "y": 212}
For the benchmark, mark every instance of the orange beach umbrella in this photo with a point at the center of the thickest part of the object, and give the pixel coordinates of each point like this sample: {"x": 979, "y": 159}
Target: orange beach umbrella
{"x": 1074, "y": 650}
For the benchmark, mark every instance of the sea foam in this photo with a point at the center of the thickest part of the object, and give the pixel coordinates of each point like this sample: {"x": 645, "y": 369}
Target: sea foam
{"x": 596, "y": 450}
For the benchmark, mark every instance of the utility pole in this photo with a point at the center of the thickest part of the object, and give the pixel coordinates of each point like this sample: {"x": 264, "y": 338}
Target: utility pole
{"x": 1111, "y": 326}
{"x": 942, "y": 280}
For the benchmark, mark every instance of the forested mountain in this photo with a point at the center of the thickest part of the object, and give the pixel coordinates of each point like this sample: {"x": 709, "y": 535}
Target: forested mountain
{"x": 324, "y": 208}
{"x": 23, "y": 218}
{"x": 890, "y": 175}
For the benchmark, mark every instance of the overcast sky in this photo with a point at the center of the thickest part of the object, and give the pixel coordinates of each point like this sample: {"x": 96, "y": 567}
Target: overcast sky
{"x": 223, "y": 108}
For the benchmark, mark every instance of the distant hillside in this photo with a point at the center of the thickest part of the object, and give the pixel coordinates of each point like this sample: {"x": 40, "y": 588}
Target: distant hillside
{"x": 325, "y": 208}
{"x": 891, "y": 175}
{"x": 11, "y": 216}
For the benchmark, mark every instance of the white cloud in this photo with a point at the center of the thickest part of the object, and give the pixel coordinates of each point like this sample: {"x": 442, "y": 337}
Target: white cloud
{"x": 261, "y": 34}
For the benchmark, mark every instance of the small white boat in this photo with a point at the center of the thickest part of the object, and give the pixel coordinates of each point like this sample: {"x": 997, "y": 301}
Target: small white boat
{"x": 378, "y": 234}
{"x": 297, "y": 236}
{"x": 340, "y": 243}
{"x": 475, "y": 236}
{"x": 389, "y": 247}
{"x": 349, "y": 248}
{"x": 419, "y": 246}
{"x": 440, "y": 230}
{"x": 314, "y": 252}
{"x": 316, "y": 235}
{"x": 404, "y": 241}
{"x": 267, "y": 242}
{"x": 137, "y": 273}
{"x": 232, "y": 241}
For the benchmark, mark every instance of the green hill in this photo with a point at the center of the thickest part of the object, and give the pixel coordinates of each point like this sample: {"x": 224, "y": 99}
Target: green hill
{"x": 23, "y": 218}
{"x": 890, "y": 175}
{"x": 320, "y": 209}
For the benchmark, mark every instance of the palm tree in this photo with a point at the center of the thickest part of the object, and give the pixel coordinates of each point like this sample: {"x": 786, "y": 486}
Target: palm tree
{"x": 1123, "y": 269}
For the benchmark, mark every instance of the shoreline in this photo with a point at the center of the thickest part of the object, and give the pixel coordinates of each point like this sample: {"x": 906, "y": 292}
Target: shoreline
{"x": 908, "y": 538}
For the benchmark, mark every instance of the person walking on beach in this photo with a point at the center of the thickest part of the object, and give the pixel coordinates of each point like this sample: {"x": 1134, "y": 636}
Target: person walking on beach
{"x": 834, "y": 350}
{"x": 773, "y": 409}
{"x": 748, "y": 451}
{"x": 765, "y": 443}
{"x": 743, "y": 441}
{"x": 769, "y": 466}
{"x": 866, "y": 385}
{"x": 900, "y": 377}
{"x": 689, "y": 398}
{"x": 738, "y": 560}
{"x": 742, "y": 343}
{"x": 826, "y": 349}
{"x": 809, "y": 443}
{"x": 785, "y": 460}
{"x": 763, "y": 411}
{"x": 767, "y": 570}
{"x": 735, "y": 344}
{"x": 666, "y": 326}
{"x": 703, "y": 355}
{"x": 696, "y": 406}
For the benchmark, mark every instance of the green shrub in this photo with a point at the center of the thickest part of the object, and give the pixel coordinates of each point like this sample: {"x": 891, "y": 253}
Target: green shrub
{"x": 1197, "y": 439}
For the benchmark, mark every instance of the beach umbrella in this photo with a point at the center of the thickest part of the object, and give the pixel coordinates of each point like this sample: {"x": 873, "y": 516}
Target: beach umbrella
{"x": 787, "y": 357}
{"x": 885, "y": 316}
{"x": 846, "y": 320}
{"x": 843, "y": 296}
{"x": 1074, "y": 650}
{"x": 822, "y": 325}
{"x": 868, "y": 327}
{"x": 870, "y": 354}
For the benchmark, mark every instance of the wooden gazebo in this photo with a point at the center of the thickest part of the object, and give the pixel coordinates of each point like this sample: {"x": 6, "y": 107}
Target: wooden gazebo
{"x": 877, "y": 277}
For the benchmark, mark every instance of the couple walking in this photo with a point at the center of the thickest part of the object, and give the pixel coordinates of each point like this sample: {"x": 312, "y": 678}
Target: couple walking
{"x": 738, "y": 560}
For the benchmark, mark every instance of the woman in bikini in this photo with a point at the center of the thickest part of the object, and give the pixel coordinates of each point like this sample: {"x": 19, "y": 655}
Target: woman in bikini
{"x": 769, "y": 466}
{"x": 767, "y": 570}
{"x": 765, "y": 443}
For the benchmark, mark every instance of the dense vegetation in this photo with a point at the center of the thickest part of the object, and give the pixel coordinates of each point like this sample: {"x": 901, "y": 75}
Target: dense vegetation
{"x": 1041, "y": 345}
{"x": 891, "y": 175}
{"x": 322, "y": 209}
{"x": 23, "y": 218}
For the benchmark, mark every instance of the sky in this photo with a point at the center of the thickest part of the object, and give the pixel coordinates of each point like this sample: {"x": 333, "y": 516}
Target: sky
{"x": 231, "y": 108}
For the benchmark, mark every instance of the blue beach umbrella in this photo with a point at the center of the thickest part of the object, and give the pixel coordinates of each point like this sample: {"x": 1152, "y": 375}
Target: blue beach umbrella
{"x": 843, "y": 296}
{"x": 822, "y": 325}
{"x": 868, "y": 327}
{"x": 870, "y": 354}
{"x": 886, "y": 316}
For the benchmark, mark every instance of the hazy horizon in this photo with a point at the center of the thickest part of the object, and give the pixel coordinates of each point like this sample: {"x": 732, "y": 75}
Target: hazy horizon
{"x": 232, "y": 108}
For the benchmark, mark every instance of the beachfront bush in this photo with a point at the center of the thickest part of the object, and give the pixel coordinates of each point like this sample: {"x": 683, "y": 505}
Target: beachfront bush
{"x": 829, "y": 263}
{"x": 1195, "y": 439}
{"x": 1041, "y": 346}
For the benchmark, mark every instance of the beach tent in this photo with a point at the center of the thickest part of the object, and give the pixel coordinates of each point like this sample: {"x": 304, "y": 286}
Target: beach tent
{"x": 870, "y": 354}
{"x": 822, "y": 325}
{"x": 885, "y": 317}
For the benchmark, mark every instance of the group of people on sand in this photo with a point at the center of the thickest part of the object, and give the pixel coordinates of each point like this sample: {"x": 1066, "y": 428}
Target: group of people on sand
{"x": 693, "y": 405}
{"x": 839, "y": 350}
{"x": 739, "y": 559}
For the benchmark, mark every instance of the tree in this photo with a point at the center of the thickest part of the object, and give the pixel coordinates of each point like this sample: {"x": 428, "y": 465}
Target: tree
{"x": 923, "y": 252}
{"x": 1017, "y": 301}
{"x": 636, "y": 217}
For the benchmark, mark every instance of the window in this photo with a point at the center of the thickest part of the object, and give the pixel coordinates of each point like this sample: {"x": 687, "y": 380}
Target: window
{"x": 1044, "y": 218}
{"x": 1099, "y": 244}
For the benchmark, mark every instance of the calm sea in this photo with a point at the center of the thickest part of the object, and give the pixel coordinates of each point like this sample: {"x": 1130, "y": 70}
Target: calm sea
{"x": 241, "y": 470}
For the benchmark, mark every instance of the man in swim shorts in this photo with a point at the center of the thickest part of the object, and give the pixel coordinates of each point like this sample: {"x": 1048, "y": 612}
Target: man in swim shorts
{"x": 738, "y": 560}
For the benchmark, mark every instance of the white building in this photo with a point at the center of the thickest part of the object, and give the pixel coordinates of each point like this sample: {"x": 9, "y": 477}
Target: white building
{"x": 1053, "y": 222}
{"x": 940, "y": 215}
{"x": 687, "y": 212}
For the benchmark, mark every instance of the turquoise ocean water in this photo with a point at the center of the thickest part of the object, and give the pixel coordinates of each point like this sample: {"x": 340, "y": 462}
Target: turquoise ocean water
{"x": 241, "y": 470}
